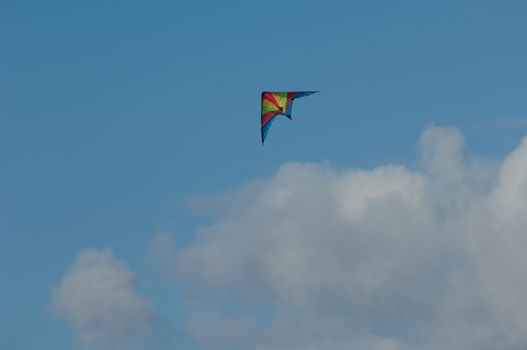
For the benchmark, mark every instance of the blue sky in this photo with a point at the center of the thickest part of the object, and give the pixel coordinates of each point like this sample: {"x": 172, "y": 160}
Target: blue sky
{"x": 113, "y": 115}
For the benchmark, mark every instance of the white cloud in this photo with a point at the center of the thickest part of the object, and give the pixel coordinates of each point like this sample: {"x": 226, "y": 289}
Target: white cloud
{"x": 97, "y": 297}
{"x": 388, "y": 258}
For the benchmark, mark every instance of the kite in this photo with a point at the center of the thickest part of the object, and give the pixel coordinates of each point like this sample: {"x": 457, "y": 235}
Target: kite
{"x": 278, "y": 103}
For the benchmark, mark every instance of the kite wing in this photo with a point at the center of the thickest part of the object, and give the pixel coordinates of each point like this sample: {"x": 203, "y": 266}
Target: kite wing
{"x": 278, "y": 103}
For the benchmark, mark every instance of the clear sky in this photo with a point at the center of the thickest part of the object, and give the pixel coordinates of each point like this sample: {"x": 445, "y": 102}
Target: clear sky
{"x": 116, "y": 115}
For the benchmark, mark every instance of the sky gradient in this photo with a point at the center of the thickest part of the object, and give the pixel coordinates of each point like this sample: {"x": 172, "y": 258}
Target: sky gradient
{"x": 130, "y": 125}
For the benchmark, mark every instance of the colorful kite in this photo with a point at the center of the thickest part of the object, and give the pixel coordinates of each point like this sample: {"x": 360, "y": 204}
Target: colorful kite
{"x": 278, "y": 103}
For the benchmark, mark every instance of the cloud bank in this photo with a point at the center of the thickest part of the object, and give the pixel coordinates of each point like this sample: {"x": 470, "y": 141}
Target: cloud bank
{"x": 384, "y": 259}
{"x": 97, "y": 297}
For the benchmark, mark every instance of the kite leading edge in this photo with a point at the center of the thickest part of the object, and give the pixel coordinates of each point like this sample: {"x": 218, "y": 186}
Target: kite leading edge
{"x": 278, "y": 103}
